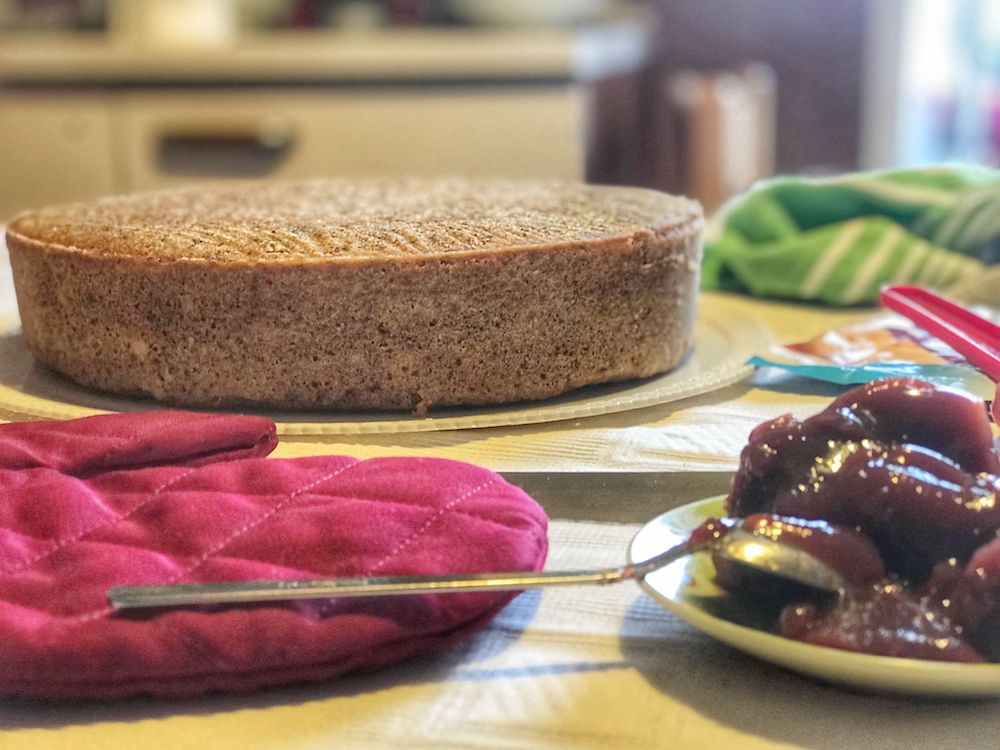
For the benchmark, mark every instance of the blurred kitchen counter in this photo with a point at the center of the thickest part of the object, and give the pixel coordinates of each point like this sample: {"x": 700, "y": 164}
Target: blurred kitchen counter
{"x": 426, "y": 54}
{"x": 85, "y": 114}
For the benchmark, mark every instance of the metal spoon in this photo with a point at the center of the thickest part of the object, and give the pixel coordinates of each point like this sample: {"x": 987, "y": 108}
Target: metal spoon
{"x": 759, "y": 553}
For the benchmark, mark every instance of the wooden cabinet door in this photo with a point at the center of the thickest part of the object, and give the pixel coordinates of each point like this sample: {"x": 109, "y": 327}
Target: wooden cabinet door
{"x": 54, "y": 147}
{"x": 175, "y": 137}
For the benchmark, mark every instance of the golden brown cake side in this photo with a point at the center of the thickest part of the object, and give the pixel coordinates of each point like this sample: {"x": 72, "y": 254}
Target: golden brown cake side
{"x": 414, "y": 332}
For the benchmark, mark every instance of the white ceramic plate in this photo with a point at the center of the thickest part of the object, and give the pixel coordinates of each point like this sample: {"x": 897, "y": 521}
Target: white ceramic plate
{"x": 724, "y": 339}
{"x": 686, "y": 589}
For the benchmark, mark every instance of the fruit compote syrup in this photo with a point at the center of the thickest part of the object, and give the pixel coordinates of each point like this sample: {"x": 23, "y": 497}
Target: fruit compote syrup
{"x": 895, "y": 485}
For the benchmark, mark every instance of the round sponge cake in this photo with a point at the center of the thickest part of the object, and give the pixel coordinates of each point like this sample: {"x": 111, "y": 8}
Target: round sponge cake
{"x": 370, "y": 294}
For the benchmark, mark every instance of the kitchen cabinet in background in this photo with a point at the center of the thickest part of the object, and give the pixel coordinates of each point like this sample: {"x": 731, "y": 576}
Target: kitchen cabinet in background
{"x": 55, "y": 147}
{"x": 82, "y": 115}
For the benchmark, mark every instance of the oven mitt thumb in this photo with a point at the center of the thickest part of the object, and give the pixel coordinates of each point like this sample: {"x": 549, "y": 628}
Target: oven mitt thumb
{"x": 170, "y": 497}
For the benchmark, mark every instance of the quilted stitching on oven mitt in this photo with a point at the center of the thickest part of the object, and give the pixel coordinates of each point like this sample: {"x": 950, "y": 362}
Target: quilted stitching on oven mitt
{"x": 173, "y": 497}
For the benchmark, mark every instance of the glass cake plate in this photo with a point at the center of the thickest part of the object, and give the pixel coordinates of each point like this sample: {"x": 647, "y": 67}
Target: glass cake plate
{"x": 725, "y": 337}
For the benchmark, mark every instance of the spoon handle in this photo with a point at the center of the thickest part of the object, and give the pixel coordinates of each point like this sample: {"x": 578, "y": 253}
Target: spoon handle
{"x": 244, "y": 592}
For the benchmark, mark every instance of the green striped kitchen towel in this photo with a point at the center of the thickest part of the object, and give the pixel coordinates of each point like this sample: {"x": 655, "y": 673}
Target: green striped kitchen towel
{"x": 839, "y": 240}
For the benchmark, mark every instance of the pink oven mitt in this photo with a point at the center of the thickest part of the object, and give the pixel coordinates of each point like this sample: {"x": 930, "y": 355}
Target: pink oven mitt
{"x": 173, "y": 497}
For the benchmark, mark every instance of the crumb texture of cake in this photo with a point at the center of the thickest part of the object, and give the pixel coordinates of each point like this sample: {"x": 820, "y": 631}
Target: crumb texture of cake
{"x": 360, "y": 294}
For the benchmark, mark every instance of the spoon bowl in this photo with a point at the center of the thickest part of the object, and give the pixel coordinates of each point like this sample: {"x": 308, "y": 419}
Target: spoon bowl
{"x": 765, "y": 555}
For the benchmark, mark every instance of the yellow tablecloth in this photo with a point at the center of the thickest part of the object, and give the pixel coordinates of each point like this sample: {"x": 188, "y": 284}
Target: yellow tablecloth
{"x": 582, "y": 668}
{"x": 602, "y": 668}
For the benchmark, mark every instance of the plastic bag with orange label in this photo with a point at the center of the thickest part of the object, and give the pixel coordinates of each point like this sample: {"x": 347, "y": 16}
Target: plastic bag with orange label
{"x": 886, "y": 346}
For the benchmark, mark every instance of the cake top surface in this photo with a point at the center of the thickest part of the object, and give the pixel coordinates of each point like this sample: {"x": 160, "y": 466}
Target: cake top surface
{"x": 339, "y": 218}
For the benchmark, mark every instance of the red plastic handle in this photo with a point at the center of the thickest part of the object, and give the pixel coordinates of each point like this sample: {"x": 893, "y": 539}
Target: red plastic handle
{"x": 975, "y": 338}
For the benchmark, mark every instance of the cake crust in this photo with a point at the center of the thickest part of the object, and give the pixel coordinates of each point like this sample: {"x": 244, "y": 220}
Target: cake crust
{"x": 360, "y": 294}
